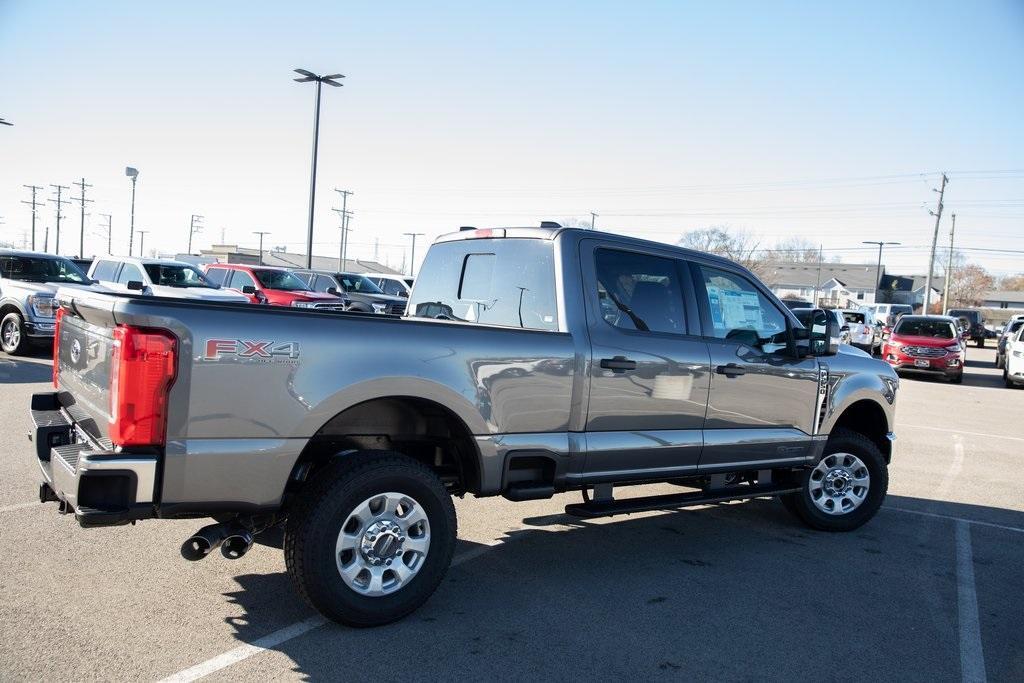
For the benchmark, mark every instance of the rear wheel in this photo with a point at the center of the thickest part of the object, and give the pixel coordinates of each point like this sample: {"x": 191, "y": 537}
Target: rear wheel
{"x": 12, "y": 334}
{"x": 981, "y": 343}
{"x": 371, "y": 539}
{"x": 845, "y": 489}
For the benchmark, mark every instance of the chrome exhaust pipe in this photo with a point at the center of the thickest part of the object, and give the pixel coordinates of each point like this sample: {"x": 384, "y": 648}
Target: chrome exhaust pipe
{"x": 237, "y": 544}
{"x": 204, "y": 541}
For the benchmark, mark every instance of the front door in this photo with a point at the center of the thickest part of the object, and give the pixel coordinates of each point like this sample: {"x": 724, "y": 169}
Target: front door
{"x": 649, "y": 369}
{"x": 761, "y": 410}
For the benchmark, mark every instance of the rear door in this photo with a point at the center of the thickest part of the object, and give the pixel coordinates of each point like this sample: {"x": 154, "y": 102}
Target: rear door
{"x": 649, "y": 370}
{"x": 761, "y": 409}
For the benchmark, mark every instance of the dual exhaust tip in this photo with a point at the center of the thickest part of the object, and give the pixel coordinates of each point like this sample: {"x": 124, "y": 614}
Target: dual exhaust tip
{"x": 233, "y": 540}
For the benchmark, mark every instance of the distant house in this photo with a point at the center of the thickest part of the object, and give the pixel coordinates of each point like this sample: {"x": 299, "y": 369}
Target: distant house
{"x": 908, "y": 289}
{"x": 838, "y": 285}
{"x": 232, "y": 253}
{"x": 1013, "y": 301}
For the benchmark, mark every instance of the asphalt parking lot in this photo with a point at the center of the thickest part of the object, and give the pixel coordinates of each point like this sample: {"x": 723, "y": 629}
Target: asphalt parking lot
{"x": 932, "y": 589}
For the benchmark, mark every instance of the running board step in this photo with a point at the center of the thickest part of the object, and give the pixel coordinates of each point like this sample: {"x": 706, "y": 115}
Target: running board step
{"x": 607, "y": 508}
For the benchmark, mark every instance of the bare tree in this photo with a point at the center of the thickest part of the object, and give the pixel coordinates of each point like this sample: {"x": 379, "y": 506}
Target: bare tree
{"x": 1012, "y": 283}
{"x": 968, "y": 284}
{"x": 794, "y": 250}
{"x": 736, "y": 245}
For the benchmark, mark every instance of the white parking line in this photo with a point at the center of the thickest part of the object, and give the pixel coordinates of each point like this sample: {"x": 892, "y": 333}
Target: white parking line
{"x": 954, "y": 518}
{"x": 972, "y": 658}
{"x": 272, "y": 640}
{"x": 960, "y": 431}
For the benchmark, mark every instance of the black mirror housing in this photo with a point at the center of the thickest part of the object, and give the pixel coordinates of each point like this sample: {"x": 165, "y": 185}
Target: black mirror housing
{"x": 135, "y": 286}
{"x": 248, "y": 289}
{"x": 824, "y": 333}
{"x": 333, "y": 290}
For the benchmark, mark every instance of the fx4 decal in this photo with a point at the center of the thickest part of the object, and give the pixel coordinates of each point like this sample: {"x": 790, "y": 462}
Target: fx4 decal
{"x": 257, "y": 350}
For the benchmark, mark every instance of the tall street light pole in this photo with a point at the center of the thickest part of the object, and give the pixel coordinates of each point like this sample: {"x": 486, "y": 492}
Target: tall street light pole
{"x": 878, "y": 269}
{"x": 261, "y": 233}
{"x": 308, "y": 76}
{"x": 132, "y": 173}
{"x": 142, "y": 243}
{"x": 412, "y": 259}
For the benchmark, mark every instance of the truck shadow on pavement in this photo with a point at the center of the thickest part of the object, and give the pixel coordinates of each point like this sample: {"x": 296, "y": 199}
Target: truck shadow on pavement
{"x": 21, "y": 371}
{"x": 738, "y": 591}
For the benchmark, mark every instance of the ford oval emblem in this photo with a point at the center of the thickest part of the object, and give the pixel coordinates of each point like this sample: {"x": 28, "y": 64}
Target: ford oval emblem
{"x": 76, "y": 351}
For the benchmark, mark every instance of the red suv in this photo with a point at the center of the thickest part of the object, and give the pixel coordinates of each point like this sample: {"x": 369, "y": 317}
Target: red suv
{"x": 928, "y": 344}
{"x": 269, "y": 285}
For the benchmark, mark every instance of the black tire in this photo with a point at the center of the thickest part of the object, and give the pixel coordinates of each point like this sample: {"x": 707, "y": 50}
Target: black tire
{"x": 981, "y": 343}
{"x": 20, "y": 342}
{"x": 322, "y": 508}
{"x": 999, "y": 361}
{"x": 843, "y": 441}
{"x": 958, "y": 378}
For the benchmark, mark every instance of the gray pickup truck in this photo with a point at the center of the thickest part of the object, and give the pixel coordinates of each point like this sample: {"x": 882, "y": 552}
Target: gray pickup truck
{"x": 531, "y": 361}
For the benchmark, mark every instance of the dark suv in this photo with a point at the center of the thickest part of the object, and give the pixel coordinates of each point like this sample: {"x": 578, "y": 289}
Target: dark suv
{"x": 973, "y": 321}
{"x": 365, "y": 296}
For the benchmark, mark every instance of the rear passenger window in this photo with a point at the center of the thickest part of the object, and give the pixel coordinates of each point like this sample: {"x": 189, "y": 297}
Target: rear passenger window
{"x": 323, "y": 283}
{"x": 129, "y": 273}
{"x": 216, "y": 275}
{"x": 105, "y": 271}
{"x": 240, "y": 278}
{"x": 740, "y": 313}
{"x": 639, "y": 291}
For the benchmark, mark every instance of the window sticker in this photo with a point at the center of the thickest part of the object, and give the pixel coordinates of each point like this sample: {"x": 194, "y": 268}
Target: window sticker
{"x": 733, "y": 309}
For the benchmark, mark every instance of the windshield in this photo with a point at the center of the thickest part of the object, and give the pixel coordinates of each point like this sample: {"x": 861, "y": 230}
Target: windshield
{"x": 358, "y": 283}
{"x": 41, "y": 269}
{"x": 168, "y": 275}
{"x": 939, "y": 329}
{"x": 853, "y": 317}
{"x": 281, "y": 279}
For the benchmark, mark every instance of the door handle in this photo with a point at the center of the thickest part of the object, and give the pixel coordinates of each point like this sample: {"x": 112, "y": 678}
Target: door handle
{"x": 618, "y": 364}
{"x": 730, "y": 370}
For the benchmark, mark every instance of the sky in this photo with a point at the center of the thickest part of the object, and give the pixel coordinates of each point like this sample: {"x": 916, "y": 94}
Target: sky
{"x": 827, "y": 121}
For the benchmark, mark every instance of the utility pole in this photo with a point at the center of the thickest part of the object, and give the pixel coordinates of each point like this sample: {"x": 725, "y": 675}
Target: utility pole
{"x": 59, "y": 203}
{"x": 132, "y": 173}
{"x": 949, "y": 268}
{"x": 376, "y": 249}
{"x": 142, "y": 243}
{"x": 33, "y": 204}
{"x": 412, "y": 258}
{"x": 194, "y": 226}
{"x": 46, "y": 239}
{"x": 109, "y": 242}
{"x": 81, "y": 228}
{"x": 817, "y": 284}
{"x": 344, "y": 226}
{"x": 878, "y": 269}
{"x": 346, "y": 220}
{"x": 261, "y": 233}
{"x": 593, "y": 219}
{"x": 935, "y": 238}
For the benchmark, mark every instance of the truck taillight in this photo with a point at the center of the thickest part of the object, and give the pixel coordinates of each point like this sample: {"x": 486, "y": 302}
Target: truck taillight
{"x": 56, "y": 345}
{"x": 143, "y": 365}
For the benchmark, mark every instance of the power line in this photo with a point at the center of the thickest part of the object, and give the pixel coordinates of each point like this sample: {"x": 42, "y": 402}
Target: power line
{"x": 81, "y": 229}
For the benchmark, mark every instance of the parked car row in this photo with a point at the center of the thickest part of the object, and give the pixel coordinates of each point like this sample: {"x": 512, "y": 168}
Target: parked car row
{"x": 29, "y": 281}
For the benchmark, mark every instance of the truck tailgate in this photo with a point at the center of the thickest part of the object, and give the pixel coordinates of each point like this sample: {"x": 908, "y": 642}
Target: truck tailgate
{"x": 84, "y": 351}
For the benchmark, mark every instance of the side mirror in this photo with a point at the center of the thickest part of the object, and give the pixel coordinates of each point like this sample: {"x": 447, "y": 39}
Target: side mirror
{"x": 135, "y": 285}
{"x": 332, "y": 290}
{"x": 824, "y": 333}
{"x": 248, "y": 289}
{"x": 404, "y": 294}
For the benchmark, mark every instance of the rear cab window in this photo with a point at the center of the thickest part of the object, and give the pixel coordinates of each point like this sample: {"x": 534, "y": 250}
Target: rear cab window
{"x": 105, "y": 271}
{"x": 508, "y": 282}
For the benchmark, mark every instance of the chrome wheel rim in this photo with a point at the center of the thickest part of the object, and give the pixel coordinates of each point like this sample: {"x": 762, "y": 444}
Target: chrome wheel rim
{"x": 383, "y": 544}
{"x": 11, "y": 334}
{"x": 839, "y": 484}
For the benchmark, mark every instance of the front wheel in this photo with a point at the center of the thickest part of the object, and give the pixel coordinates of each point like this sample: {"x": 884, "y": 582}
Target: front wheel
{"x": 371, "y": 538}
{"x": 845, "y": 489}
{"x": 12, "y": 334}
{"x": 981, "y": 343}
